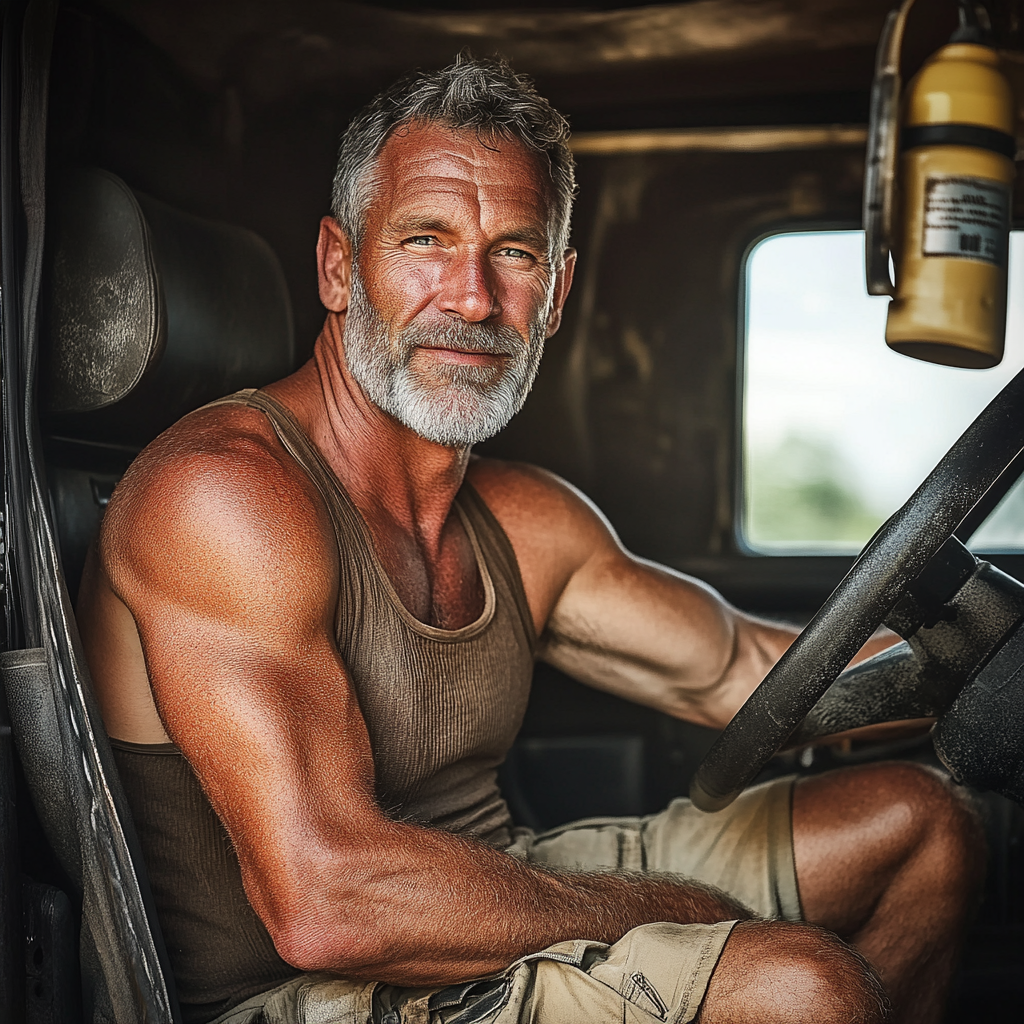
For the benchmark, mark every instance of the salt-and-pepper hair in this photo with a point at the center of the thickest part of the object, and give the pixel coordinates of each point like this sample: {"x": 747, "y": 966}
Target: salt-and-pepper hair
{"x": 483, "y": 96}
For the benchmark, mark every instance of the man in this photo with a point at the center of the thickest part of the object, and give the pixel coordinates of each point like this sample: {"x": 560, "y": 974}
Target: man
{"x": 312, "y": 615}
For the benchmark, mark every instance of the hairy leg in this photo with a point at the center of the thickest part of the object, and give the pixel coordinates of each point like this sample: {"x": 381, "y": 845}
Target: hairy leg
{"x": 891, "y": 858}
{"x": 776, "y": 973}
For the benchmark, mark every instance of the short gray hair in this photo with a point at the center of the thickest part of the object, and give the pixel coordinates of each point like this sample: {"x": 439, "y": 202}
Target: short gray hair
{"x": 485, "y": 96}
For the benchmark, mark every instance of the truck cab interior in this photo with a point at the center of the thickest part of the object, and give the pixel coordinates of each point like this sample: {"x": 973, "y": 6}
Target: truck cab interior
{"x": 720, "y": 387}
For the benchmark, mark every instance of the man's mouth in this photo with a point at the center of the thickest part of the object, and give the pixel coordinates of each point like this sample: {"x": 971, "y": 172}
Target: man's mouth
{"x": 461, "y": 356}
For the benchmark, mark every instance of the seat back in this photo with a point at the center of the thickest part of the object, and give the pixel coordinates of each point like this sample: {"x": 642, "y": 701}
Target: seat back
{"x": 146, "y": 314}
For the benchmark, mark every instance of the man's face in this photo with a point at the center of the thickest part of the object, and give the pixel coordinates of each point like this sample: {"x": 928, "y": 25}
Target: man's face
{"x": 452, "y": 293}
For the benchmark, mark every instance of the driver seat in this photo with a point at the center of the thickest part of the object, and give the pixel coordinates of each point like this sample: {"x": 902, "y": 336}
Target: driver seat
{"x": 147, "y": 313}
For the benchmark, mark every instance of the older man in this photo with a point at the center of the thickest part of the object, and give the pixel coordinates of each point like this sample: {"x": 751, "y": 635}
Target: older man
{"x": 312, "y": 617}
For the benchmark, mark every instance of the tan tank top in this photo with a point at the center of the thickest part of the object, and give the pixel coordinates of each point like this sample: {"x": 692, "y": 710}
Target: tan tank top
{"x": 442, "y": 708}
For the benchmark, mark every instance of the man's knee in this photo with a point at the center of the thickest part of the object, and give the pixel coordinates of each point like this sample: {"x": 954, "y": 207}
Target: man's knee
{"x": 936, "y": 820}
{"x": 775, "y": 973}
{"x": 897, "y": 812}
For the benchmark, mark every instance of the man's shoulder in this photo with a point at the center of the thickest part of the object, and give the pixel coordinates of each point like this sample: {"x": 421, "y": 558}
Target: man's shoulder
{"x": 522, "y": 490}
{"x": 553, "y": 527}
{"x": 223, "y": 451}
{"x": 216, "y": 479}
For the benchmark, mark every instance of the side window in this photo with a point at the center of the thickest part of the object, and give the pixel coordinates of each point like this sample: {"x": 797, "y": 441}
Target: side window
{"x": 837, "y": 429}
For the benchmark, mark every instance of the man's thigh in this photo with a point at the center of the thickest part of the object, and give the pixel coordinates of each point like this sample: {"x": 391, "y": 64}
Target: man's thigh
{"x": 745, "y": 849}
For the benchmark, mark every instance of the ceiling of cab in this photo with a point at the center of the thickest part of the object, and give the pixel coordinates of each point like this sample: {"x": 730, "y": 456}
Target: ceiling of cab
{"x": 609, "y": 66}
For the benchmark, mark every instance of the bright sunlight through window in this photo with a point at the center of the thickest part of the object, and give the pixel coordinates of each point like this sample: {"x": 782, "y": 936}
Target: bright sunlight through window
{"x": 838, "y": 430}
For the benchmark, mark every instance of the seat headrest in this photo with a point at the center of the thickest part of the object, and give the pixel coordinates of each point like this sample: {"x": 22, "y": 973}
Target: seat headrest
{"x": 150, "y": 312}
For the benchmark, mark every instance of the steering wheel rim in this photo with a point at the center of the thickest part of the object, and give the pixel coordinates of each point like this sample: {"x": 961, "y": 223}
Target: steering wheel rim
{"x": 889, "y": 563}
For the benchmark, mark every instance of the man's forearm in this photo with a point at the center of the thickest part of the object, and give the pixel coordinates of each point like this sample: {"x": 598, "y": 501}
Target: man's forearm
{"x": 604, "y": 906}
{"x": 447, "y": 909}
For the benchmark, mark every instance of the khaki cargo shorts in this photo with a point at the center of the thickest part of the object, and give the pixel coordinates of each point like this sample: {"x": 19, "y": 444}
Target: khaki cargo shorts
{"x": 657, "y": 972}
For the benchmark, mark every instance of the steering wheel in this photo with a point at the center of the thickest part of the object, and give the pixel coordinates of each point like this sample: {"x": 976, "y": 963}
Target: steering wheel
{"x": 890, "y": 562}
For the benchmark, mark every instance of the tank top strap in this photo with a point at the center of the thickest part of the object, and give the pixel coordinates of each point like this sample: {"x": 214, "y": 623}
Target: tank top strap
{"x": 498, "y": 552}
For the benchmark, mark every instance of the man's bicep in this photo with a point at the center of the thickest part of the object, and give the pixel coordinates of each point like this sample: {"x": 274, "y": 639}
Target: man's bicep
{"x": 643, "y": 632}
{"x": 252, "y": 712}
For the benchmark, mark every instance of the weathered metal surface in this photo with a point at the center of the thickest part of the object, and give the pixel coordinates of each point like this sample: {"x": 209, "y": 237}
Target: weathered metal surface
{"x": 923, "y": 677}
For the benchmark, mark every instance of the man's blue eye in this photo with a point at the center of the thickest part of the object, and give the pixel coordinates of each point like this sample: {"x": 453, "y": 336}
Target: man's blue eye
{"x": 421, "y": 240}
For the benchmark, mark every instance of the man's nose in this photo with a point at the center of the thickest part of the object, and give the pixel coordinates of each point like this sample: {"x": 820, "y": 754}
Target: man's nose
{"x": 468, "y": 288}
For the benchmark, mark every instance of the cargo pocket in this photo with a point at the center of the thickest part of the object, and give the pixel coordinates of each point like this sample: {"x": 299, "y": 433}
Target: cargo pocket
{"x": 664, "y": 969}
{"x": 654, "y": 973}
{"x": 640, "y": 991}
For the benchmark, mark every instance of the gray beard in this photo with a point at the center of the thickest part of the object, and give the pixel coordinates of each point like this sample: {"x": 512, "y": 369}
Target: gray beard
{"x": 454, "y": 406}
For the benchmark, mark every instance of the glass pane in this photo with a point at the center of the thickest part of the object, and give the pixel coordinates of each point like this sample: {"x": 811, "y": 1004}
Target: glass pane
{"x": 838, "y": 430}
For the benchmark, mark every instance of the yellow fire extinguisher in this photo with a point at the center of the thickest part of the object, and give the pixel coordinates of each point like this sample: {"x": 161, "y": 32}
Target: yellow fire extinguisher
{"x": 945, "y": 216}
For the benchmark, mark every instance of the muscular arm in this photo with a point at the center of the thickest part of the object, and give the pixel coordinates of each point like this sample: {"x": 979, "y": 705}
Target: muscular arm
{"x": 619, "y": 622}
{"x": 234, "y": 604}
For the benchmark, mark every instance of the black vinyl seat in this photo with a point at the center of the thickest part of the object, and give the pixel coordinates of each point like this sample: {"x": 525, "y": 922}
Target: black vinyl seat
{"x": 147, "y": 313}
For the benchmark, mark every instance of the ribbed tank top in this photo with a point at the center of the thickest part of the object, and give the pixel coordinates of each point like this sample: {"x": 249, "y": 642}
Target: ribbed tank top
{"x": 442, "y": 708}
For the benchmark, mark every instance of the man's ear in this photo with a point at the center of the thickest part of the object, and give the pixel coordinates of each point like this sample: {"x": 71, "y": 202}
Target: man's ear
{"x": 563, "y": 282}
{"x": 334, "y": 265}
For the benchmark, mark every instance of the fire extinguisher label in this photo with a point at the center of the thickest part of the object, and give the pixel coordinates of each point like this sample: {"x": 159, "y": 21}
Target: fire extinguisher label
{"x": 967, "y": 217}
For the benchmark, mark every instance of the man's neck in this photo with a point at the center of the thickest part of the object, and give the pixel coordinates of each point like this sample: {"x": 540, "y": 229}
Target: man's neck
{"x": 394, "y": 476}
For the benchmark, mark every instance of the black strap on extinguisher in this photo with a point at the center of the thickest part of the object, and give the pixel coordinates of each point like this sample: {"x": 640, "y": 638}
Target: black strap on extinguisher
{"x": 974, "y": 135}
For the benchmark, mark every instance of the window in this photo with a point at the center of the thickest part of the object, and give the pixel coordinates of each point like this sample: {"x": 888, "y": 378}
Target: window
{"x": 838, "y": 430}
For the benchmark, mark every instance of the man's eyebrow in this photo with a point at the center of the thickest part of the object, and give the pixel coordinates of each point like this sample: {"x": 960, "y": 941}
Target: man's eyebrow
{"x": 419, "y": 225}
{"x": 528, "y": 236}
